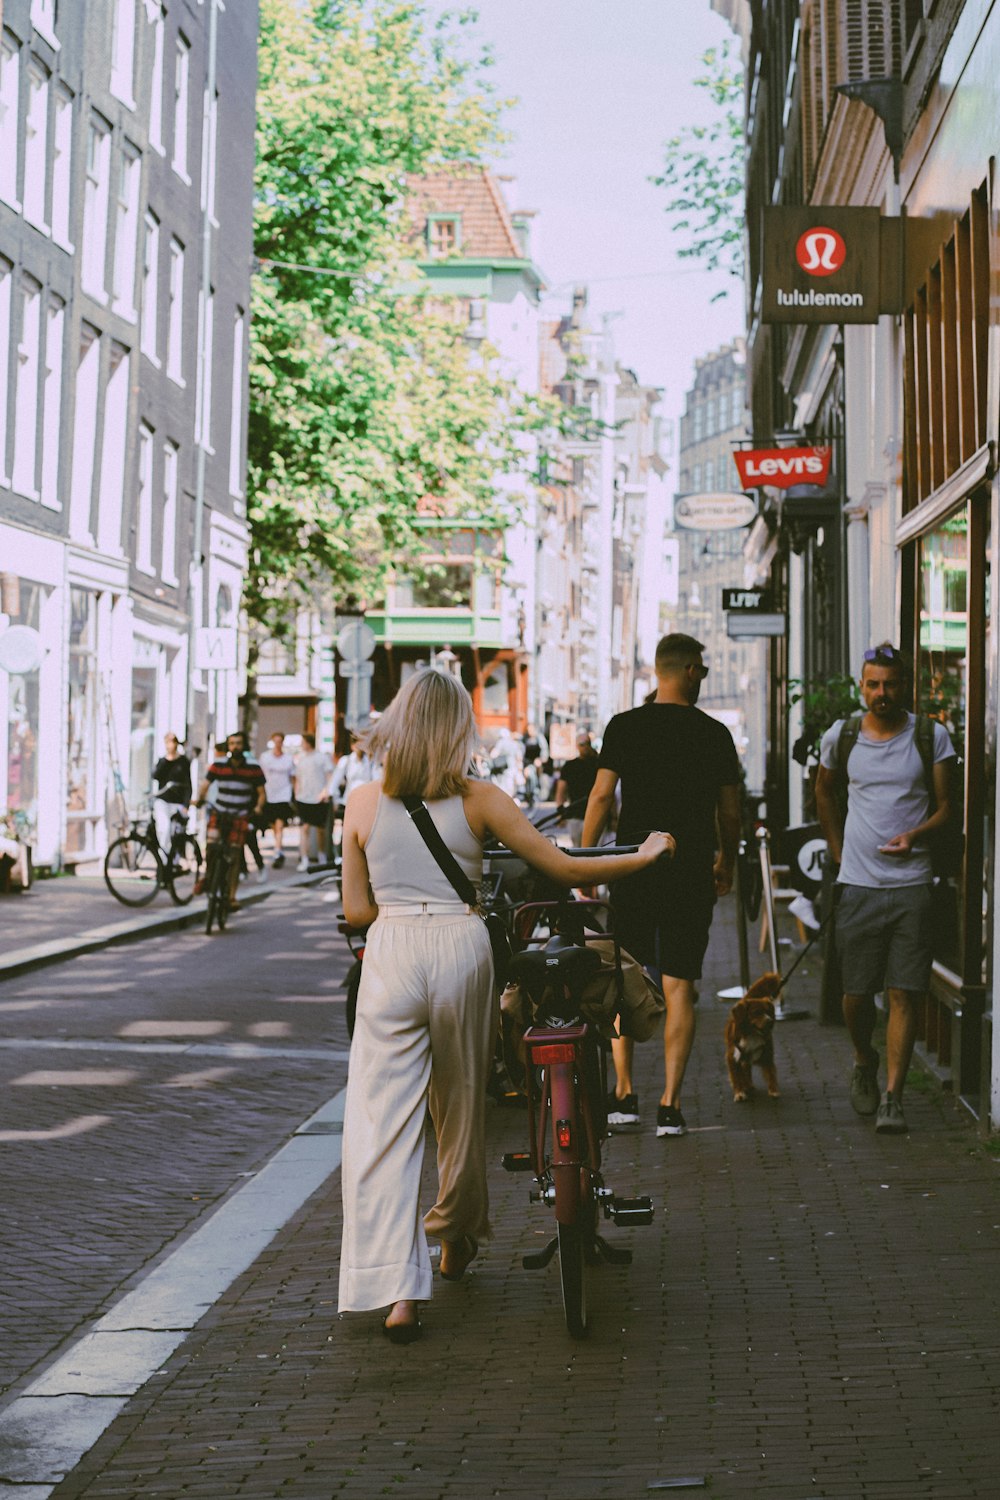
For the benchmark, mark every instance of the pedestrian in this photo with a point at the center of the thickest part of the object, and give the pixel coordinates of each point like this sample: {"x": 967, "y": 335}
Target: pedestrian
{"x": 279, "y": 771}
{"x": 313, "y": 770}
{"x": 505, "y": 761}
{"x": 536, "y": 753}
{"x": 884, "y": 932}
{"x": 241, "y": 741}
{"x": 172, "y": 798}
{"x": 233, "y": 786}
{"x": 575, "y": 784}
{"x": 427, "y": 1010}
{"x": 678, "y": 769}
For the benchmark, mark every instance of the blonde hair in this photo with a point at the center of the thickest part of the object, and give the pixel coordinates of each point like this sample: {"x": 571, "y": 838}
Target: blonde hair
{"x": 426, "y": 738}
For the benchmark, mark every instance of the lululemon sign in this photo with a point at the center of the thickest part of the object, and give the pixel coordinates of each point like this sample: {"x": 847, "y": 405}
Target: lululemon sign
{"x": 821, "y": 265}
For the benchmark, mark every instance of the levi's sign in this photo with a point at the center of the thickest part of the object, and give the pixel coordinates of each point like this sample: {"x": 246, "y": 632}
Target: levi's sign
{"x": 821, "y": 265}
{"x": 782, "y": 467}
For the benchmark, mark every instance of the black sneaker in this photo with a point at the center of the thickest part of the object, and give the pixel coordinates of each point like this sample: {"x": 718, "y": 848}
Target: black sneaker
{"x": 670, "y": 1121}
{"x": 277, "y": 862}
{"x": 623, "y": 1111}
{"x": 864, "y": 1086}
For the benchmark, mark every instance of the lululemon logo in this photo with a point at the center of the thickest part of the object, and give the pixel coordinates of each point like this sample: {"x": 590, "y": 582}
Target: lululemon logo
{"x": 820, "y": 251}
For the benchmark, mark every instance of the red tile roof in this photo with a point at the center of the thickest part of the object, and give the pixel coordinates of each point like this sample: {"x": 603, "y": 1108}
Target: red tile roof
{"x": 474, "y": 195}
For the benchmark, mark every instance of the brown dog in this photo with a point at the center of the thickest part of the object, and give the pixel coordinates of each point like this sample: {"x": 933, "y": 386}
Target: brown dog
{"x": 749, "y": 1039}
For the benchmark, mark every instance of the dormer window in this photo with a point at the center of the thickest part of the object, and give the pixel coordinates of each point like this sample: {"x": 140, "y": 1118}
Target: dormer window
{"x": 443, "y": 234}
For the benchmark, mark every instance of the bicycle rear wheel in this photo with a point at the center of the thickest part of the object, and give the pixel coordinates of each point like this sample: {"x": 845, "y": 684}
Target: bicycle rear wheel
{"x": 214, "y": 880}
{"x": 132, "y": 871}
{"x": 184, "y": 868}
{"x": 573, "y": 1277}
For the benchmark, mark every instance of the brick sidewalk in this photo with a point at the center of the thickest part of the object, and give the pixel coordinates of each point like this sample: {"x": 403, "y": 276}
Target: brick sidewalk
{"x": 815, "y": 1312}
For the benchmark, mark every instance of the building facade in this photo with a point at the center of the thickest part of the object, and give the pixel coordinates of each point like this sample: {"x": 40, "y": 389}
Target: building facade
{"x": 124, "y": 301}
{"x": 893, "y": 106}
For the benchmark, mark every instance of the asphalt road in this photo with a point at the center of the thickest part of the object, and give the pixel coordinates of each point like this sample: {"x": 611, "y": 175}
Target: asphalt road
{"x": 138, "y": 1087}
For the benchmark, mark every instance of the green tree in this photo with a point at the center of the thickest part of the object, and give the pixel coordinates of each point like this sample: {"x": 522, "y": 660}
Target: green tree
{"x": 704, "y": 170}
{"x": 362, "y": 402}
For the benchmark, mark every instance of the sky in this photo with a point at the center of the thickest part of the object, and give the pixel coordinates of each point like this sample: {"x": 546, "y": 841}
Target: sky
{"x": 602, "y": 84}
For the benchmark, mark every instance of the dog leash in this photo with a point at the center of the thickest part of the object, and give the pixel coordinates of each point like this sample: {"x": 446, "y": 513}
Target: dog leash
{"x": 784, "y": 978}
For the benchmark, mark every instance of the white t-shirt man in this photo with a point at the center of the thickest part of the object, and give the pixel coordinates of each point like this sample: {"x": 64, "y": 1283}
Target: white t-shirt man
{"x": 313, "y": 770}
{"x": 278, "y": 772}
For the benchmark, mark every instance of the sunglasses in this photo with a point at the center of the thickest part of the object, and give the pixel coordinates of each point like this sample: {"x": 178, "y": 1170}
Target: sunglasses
{"x": 699, "y": 667}
{"x": 882, "y": 654}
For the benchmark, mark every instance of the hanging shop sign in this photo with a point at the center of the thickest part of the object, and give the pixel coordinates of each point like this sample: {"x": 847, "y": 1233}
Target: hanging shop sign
{"x": 782, "y": 467}
{"x": 747, "y": 601}
{"x": 741, "y": 626}
{"x": 722, "y": 512}
{"x": 824, "y": 265}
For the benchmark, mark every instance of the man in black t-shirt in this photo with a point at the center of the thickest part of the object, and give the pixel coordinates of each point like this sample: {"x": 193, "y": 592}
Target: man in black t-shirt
{"x": 679, "y": 772}
{"x": 575, "y": 784}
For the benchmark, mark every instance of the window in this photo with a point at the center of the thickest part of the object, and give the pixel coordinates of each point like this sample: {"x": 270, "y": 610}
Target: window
{"x": 710, "y": 416}
{"x": 62, "y": 155}
{"x": 43, "y": 18}
{"x": 10, "y": 78}
{"x": 175, "y": 314}
{"x": 696, "y": 478}
{"x": 123, "y": 52}
{"x": 150, "y": 286}
{"x": 736, "y": 406}
{"x": 443, "y": 234}
{"x": 95, "y": 209}
{"x": 112, "y": 486}
{"x": 126, "y": 232}
{"x": 709, "y": 475}
{"x": 156, "y": 85}
{"x": 36, "y": 135}
{"x": 6, "y": 280}
{"x": 236, "y": 410}
{"x": 84, "y": 434}
{"x": 182, "y": 68}
{"x": 203, "y": 402}
{"x": 52, "y": 403}
{"x": 208, "y": 154}
{"x": 144, "y": 502}
{"x": 169, "y": 564}
{"x": 698, "y": 423}
{"x": 26, "y": 390}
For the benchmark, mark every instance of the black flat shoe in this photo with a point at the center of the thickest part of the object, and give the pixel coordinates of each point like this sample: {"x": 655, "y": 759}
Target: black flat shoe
{"x": 402, "y": 1333}
{"x": 473, "y": 1245}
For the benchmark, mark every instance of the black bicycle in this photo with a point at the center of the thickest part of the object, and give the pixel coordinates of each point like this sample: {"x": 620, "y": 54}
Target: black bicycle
{"x": 135, "y": 867}
{"x": 222, "y": 859}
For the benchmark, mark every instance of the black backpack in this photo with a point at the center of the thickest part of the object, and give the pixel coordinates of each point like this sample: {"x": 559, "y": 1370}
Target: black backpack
{"x": 947, "y": 845}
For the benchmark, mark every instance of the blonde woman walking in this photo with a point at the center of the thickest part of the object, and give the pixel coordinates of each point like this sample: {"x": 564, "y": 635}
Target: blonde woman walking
{"x": 427, "y": 1013}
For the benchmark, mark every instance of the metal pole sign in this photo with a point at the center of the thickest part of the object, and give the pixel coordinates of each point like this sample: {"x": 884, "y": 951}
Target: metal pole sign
{"x": 356, "y": 642}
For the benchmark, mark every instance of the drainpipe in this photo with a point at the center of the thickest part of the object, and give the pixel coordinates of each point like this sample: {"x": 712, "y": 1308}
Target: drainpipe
{"x": 197, "y": 572}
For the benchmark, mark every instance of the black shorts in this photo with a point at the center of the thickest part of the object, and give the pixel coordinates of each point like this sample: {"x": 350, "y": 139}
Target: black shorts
{"x": 276, "y": 812}
{"x": 313, "y": 814}
{"x": 663, "y": 917}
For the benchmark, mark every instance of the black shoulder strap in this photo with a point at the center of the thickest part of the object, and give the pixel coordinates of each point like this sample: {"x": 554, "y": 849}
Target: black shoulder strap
{"x": 446, "y": 861}
{"x": 846, "y": 741}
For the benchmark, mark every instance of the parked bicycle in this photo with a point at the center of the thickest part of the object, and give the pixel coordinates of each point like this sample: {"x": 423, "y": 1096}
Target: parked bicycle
{"x": 565, "y": 1082}
{"x": 135, "y": 866}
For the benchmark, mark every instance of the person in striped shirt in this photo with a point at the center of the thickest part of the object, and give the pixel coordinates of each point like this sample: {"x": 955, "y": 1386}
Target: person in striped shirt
{"x": 233, "y": 786}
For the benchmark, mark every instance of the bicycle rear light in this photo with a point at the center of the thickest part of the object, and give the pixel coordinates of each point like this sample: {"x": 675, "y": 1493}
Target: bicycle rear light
{"x": 564, "y": 1134}
{"x": 554, "y": 1052}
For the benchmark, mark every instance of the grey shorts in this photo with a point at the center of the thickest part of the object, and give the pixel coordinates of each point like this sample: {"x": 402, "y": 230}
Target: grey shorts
{"x": 884, "y": 938}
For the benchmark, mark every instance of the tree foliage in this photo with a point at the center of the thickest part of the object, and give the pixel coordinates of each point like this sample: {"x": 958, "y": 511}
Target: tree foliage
{"x": 362, "y": 402}
{"x": 704, "y": 170}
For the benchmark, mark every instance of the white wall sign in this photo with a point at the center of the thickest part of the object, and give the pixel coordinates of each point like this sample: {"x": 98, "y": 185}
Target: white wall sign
{"x": 722, "y": 512}
{"x": 215, "y": 648}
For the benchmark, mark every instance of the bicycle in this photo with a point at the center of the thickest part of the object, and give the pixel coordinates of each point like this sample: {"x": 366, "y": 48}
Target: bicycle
{"x": 222, "y": 857}
{"x": 135, "y": 867}
{"x": 565, "y": 1073}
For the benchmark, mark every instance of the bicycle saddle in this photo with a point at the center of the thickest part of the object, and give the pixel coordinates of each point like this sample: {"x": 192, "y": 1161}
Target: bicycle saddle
{"x": 566, "y": 968}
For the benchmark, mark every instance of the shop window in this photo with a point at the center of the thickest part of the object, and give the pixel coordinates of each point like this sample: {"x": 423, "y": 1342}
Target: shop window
{"x": 21, "y": 602}
{"x": 142, "y": 739}
{"x": 83, "y": 782}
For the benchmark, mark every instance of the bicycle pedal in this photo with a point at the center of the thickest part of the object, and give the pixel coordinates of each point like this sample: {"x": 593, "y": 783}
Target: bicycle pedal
{"x": 627, "y": 1211}
{"x": 516, "y": 1161}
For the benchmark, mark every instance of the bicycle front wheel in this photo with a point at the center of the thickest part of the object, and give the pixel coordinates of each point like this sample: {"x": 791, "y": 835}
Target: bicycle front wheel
{"x": 573, "y": 1277}
{"x": 215, "y": 867}
{"x": 184, "y": 868}
{"x": 132, "y": 871}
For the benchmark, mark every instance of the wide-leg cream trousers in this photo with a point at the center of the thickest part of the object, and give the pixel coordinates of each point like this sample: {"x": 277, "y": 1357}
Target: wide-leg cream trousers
{"x": 424, "y": 1036}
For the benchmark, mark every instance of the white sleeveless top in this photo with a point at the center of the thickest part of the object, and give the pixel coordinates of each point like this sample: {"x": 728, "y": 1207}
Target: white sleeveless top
{"x": 400, "y": 865}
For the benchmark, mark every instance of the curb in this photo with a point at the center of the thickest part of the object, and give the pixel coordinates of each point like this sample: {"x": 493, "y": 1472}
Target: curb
{"x": 58, "y": 950}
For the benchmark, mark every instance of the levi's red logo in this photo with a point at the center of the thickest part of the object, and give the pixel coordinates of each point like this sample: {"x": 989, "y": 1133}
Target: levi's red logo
{"x": 782, "y": 467}
{"x": 820, "y": 251}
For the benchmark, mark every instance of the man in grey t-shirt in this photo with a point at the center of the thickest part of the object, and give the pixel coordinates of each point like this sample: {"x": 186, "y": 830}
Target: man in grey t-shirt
{"x": 883, "y": 916}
